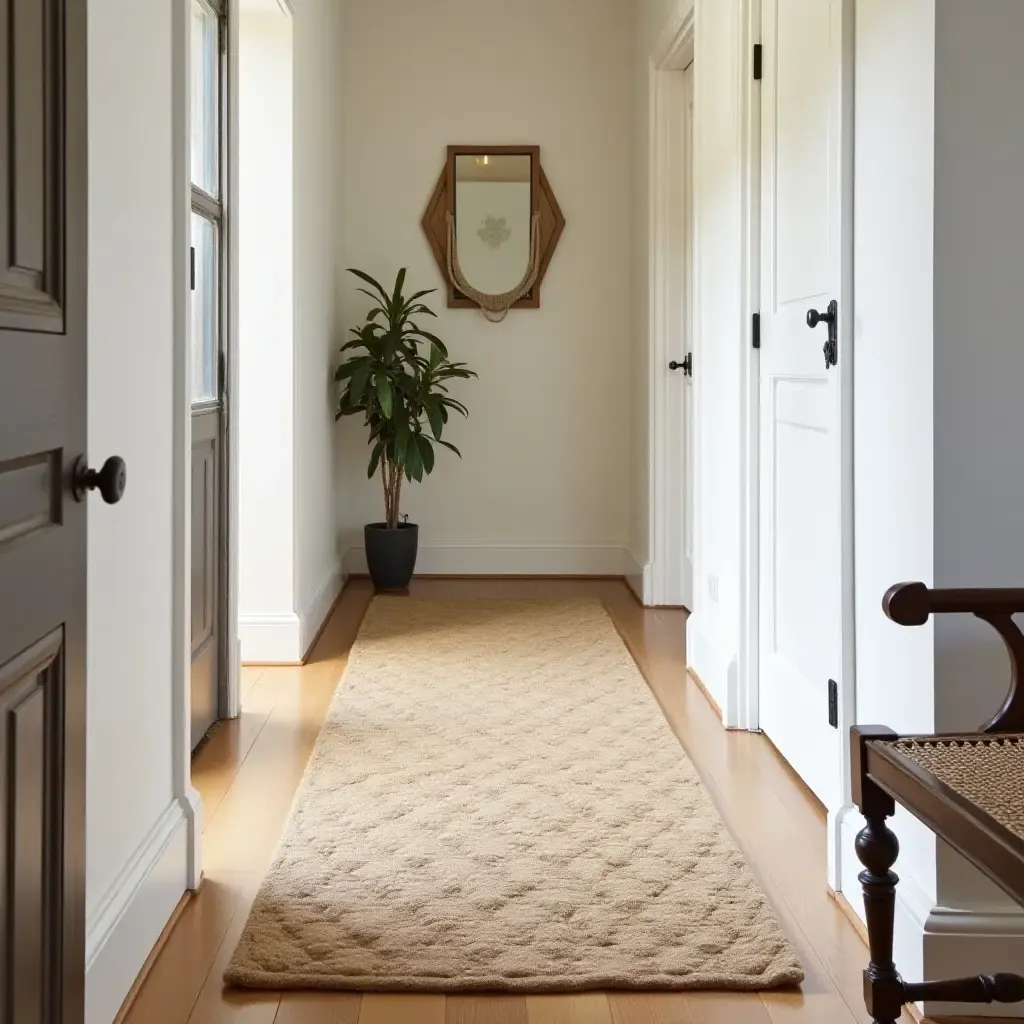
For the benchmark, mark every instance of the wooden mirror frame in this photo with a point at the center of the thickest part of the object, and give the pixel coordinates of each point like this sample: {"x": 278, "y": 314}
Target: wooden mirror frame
{"x": 543, "y": 202}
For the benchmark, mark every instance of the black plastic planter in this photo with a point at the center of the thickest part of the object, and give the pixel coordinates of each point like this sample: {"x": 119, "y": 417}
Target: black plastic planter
{"x": 391, "y": 554}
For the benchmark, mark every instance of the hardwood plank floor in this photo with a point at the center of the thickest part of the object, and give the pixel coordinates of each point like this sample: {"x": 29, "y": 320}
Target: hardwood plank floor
{"x": 248, "y": 770}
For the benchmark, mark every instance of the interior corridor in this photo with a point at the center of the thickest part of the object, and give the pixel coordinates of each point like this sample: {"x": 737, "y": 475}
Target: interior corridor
{"x": 248, "y": 769}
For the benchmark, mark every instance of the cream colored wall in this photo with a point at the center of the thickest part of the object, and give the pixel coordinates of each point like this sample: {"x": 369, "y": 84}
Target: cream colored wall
{"x": 545, "y": 478}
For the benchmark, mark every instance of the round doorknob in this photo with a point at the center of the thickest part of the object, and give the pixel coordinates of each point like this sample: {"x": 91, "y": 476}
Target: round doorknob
{"x": 814, "y": 317}
{"x": 676, "y": 365}
{"x": 110, "y": 480}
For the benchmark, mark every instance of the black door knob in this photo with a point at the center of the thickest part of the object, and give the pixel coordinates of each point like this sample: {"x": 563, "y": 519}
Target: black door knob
{"x": 109, "y": 481}
{"x": 828, "y": 317}
{"x": 674, "y": 365}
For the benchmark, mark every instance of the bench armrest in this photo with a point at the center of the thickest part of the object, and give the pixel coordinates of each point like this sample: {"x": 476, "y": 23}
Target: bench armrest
{"x": 911, "y": 604}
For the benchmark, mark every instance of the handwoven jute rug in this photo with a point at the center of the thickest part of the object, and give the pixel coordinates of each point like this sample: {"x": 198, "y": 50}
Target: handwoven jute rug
{"x": 497, "y": 803}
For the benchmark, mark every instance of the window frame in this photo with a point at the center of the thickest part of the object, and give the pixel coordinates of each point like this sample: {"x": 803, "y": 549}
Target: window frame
{"x": 212, "y": 208}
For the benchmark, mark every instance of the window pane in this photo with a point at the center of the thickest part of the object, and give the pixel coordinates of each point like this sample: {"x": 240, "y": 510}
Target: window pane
{"x": 205, "y": 314}
{"x": 205, "y": 99}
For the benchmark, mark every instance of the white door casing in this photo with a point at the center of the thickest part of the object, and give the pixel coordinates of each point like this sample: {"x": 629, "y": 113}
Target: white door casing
{"x": 805, "y": 531}
{"x": 668, "y": 576}
{"x": 689, "y": 337}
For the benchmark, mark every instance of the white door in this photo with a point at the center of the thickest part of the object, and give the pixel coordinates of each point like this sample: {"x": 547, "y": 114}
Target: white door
{"x": 804, "y": 266}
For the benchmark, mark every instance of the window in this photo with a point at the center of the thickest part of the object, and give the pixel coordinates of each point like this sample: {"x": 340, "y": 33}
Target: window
{"x": 207, "y": 92}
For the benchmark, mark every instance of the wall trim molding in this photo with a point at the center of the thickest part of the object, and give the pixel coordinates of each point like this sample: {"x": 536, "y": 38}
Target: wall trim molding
{"x": 638, "y": 578}
{"x": 273, "y": 639}
{"x": 312, "y": 619}
{"x": 709, "y": 660}
{"x": 511, "y": 560}
{"x": 127, "y": 922}
{"x": 670, "y": 331}
{"x": 674, "y": 48}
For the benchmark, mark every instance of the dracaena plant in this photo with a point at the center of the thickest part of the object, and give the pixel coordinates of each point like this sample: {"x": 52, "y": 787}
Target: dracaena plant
{"x": 395, "y": 375}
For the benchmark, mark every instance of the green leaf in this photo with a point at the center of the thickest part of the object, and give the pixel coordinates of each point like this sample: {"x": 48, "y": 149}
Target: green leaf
{"x": 413, "y": 463}
{"x": 375, "y": 285}
{"x": 378, "y": 450}
{"x": 401, "y": 442}
{"x": 432, "y": 338}
{"x": 396, "y": 299}
{"x": 357, "y": 382}
{"x": 347, "y": 368}
{"x": 419, "y": 295}
{"x": 435, "y": 415}
{"x": 436, "y": 355}
{"x": 385, "y": 395}
{"x": 426, "y": 452}
{"x": 450, "y": 447}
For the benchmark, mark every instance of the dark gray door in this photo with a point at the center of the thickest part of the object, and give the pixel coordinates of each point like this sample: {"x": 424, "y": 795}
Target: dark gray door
{"x": 209, "y": 419}
{"x": 42, "y": 526}
{"x": 206, "y": 460}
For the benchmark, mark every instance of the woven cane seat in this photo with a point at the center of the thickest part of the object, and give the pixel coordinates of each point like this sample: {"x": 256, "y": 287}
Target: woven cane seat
{"x": 986, "y": 770}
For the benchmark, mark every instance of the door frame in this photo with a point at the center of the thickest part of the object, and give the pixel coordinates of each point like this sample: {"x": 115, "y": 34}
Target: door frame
{"x": 748, "y": 654}
{"x": 669, "y": 221}
{"x": 184, "y": 791}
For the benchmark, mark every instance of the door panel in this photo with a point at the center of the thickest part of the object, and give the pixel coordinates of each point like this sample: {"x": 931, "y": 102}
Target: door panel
{"x": 801, "y": 458}
{"x": 205, "y": 561}
{"x": 208, "y": 359}
{"x": 43, "y": 206}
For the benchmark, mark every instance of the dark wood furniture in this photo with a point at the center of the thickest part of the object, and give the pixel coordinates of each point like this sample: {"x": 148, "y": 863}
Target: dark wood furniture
{"x": 968, "y": 788}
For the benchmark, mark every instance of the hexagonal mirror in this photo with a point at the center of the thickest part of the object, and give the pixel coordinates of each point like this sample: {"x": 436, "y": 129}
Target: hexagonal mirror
{"x": 493, "y": 224}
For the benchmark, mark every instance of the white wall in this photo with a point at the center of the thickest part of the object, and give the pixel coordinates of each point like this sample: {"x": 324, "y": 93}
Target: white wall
{"x": 893, "y": 415}
{"x": 265, "y": 316}
{"x": 544, "y": 483}
{"x": 938, "y": 265}
{"x": 979, "y": 363}
{"x": 135, "y": 829}
{"x": 318, "y": 194}
{"x": 289, "y": 561}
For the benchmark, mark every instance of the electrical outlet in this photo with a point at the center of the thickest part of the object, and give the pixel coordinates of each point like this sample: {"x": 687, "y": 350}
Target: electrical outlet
{"x": 713, "y": 588}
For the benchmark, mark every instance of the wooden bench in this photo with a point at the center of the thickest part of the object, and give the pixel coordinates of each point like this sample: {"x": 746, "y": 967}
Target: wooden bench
{"x": 968, "y": 788}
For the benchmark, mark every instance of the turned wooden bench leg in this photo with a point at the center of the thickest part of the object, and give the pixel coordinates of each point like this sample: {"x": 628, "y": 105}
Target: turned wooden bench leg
{"x": 877, "y": 848}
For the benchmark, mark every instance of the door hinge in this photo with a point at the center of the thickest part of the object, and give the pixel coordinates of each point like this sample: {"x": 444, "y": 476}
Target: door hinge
{"x": 758, "y": 61}
{"x": 833, "y": 704}
{"x": 192, "y": 268}
{"x": 221, "y": 374}
{"x": 755, "y": 330}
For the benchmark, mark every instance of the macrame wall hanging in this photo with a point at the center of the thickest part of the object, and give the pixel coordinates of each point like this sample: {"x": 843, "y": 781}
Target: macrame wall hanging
{"x": 494, "y": 306}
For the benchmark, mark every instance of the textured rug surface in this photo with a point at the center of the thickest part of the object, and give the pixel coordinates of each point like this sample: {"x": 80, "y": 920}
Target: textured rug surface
{"x": 496, "y": 802}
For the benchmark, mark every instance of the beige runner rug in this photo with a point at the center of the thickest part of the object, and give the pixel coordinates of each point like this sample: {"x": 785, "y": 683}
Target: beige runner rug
{"x": 496, "y": 802}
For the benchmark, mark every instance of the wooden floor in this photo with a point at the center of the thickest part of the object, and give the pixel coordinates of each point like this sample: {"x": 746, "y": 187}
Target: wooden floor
{"x": 248, "y": 770}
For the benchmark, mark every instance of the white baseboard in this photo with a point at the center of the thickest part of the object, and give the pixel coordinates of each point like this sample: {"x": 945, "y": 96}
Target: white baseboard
{"x": 509, "y": 560}
{"x": 319, "y": 608}
{"x": 714, "y": 665}
{"x": 129, "y": 919}
{"x": 270, "y": 639}
{"x": 959, "y": 943}
{"x": 638, "y": 578}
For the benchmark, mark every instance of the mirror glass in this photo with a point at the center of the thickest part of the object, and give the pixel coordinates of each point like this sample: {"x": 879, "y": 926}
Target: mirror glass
{"x": 493, "y": 207}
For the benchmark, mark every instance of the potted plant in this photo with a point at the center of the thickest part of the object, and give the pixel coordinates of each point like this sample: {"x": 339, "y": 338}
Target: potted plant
{"x": 403, "y": 397}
